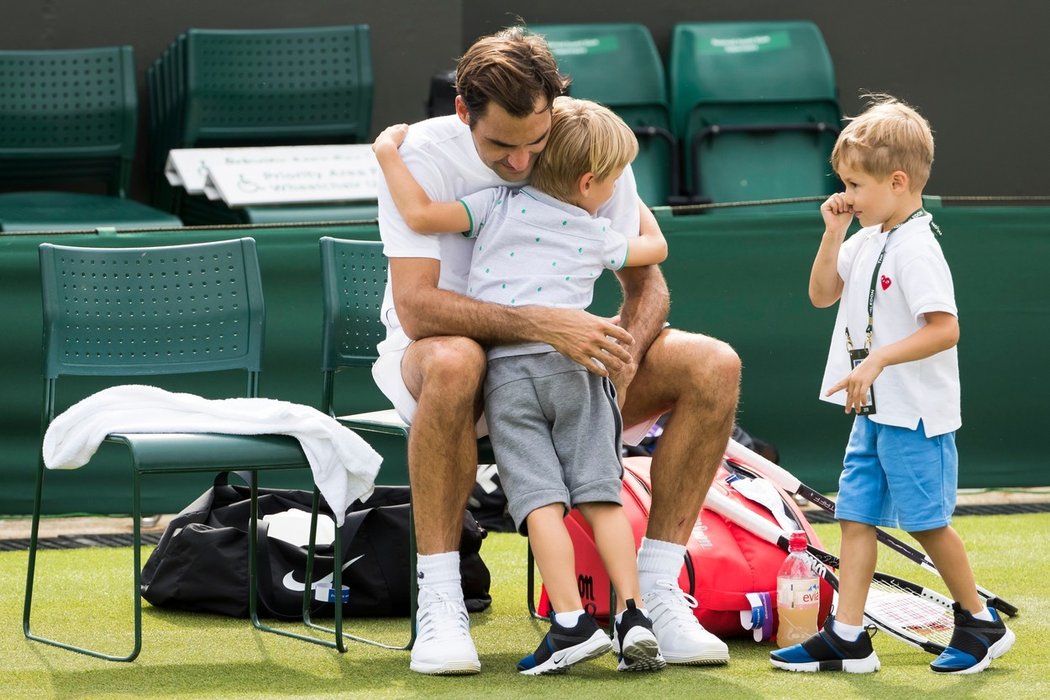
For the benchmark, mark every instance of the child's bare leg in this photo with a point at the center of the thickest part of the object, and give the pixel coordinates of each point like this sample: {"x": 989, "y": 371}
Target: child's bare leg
{"x": 615, "y": 541}
{"x": 857, "y": 565}
{"x": 552, "y": 548}
{"x": 948, "y": 553}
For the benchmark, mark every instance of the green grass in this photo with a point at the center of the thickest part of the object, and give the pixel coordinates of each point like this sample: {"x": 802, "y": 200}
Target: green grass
{"x": 201, "y": 656}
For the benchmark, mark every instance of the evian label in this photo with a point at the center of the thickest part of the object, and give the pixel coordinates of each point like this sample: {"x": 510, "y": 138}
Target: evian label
{"x": 798, "y": 592}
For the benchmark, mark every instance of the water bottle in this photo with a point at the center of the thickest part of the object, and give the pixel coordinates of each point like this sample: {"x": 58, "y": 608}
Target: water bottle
{"x": 798, "y": 595}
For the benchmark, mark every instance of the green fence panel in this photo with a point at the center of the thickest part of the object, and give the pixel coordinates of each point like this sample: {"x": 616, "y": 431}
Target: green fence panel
{"x": 742, "y": 279}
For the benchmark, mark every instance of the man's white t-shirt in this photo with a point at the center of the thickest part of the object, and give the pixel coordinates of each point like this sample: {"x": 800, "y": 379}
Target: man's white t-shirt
{"x": 441, "y": 155}
{"x": 914, "y": 280}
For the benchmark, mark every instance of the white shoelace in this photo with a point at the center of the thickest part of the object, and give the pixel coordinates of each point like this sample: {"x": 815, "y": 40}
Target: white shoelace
{"x": 677, "y": 603}
{"x": 441, "y": 617}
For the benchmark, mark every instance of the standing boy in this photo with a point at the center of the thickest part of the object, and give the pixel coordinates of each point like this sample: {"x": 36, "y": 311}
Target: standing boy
{"x": 893, "y": 361}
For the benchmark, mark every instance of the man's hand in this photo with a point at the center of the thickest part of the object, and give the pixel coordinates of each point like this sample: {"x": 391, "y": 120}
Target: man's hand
{"x": 596, "y": 343}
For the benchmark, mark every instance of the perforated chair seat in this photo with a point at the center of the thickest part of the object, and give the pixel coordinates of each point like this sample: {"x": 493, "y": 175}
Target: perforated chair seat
{"x": 76, "y": 211}
{"x": 137, "y": 312}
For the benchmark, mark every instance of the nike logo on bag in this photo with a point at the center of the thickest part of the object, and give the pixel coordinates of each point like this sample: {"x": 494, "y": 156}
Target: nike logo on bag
{"x": 291, "y": 584}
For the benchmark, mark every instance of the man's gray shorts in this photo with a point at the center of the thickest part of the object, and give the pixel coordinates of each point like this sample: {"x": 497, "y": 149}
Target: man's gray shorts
{"x": 556, "y": 433}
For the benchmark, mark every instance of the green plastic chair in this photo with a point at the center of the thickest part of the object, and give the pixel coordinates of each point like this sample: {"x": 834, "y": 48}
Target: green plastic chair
{"x": 68, "y": 117}
{"x": 159, "y": 311}
{"x": 353, "y": 279}
{"x": 756, "y": 109}
{"x": 259, "y": 87}
{"x": 618, "y": 66}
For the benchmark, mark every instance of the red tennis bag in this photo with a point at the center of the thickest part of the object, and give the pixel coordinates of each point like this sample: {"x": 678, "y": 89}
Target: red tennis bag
{"x": 724, "y": 563}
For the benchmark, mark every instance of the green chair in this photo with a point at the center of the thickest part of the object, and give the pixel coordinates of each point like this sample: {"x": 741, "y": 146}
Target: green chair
{"x": 143, "y": 312}
{"x": 756, "y": 110}
{"x": 618, "y": 66}
{"x": 68, "y": 119}
{"x": 217, "y": 88}
{"x": 353, "y": 278}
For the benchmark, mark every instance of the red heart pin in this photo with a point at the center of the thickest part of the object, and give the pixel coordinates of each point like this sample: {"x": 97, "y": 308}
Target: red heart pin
{"x": 886, "y": 282}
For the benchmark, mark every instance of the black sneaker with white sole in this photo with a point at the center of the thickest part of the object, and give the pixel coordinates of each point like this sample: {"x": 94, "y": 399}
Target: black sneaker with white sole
{"x": 639, "y": 650}
{"x": 826, "y": 651}
{"x": 974, "y": 643}
{"x": 565, "y": 646}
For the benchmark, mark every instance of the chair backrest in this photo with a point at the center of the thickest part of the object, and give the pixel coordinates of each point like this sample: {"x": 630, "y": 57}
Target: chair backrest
{"x": 151, "y": 311}
{"x": 619, "y": 66}
{"x": 755, "y": 107}
{"x": 68, "y": 115}
{"x": 353, "y": 279}
{"x": 284, "y": 86}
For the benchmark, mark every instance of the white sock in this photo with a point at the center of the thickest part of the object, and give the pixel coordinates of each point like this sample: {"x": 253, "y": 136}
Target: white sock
{"x": 658, "y": 561}
{"x": 850, "y": 633}
{"x": 439, "y": 573}
{"x": 568, "y": 619}
{"x": 985, "y": 615}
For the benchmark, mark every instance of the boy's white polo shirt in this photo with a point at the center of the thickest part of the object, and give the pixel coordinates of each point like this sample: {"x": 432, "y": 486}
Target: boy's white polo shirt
{"x": 914, "y": 279}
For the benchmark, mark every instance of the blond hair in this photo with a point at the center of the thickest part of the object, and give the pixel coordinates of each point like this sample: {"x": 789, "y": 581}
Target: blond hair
{"x": 888, "y": 136}
{"x": 512, "y": 68}
{"x": 585, "y": 137}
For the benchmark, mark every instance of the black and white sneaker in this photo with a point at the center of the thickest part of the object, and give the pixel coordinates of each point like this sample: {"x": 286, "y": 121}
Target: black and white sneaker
{"x": 639, "y": 650}
{"x": 826, "y": 651}
{"x": 565, "y": 646}
{"x": 974, "y": 643}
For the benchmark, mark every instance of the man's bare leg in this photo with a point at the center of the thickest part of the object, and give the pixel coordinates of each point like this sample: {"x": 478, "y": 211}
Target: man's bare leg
{"x": 697, "y": 378}
{"x": 445, "y": 375}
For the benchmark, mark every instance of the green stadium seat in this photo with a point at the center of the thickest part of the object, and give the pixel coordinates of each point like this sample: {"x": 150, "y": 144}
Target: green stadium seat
{"x": 756, "y": 110}
{"x": 618, "y": 66}
{"x": 68, "y": 120}
{"x": 217, "y": 88}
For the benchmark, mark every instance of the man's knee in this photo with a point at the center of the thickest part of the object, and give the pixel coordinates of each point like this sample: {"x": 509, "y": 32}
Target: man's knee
{"x": 453, "y": 365}
{"x": 713, "y": 363}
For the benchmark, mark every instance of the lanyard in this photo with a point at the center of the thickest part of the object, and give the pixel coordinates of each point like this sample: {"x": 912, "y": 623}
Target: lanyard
{"x": 874, "y": 281}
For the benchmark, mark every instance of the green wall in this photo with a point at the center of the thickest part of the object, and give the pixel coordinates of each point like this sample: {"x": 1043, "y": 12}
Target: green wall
{"x": 739, "y": 276}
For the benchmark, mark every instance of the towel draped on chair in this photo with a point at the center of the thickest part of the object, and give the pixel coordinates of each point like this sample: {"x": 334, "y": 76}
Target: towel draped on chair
{"x": 344, "y": 465}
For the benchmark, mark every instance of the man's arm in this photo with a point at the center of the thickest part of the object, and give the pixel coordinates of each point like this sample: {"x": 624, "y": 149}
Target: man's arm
{"x": 424, "y": 311}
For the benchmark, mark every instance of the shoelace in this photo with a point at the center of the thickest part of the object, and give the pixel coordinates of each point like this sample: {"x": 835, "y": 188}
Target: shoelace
{"x": 442, "y": 618}
{"x": 678, "y": 603}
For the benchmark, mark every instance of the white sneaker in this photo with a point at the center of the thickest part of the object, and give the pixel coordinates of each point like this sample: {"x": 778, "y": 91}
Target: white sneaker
{"x": 683, "y": 640}
{"x": 443, "y": 645}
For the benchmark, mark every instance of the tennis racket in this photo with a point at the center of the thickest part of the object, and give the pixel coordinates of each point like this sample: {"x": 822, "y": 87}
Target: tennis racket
{"x": 741, "y": 458}
{"x": 912, "y": 613}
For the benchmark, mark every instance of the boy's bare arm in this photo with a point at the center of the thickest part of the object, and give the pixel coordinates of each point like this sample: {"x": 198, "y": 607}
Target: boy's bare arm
{"x": 425, "y": 311}
{"x": 420, "y": 213}
{"x": 940, "y": 333}
{"x": 650, "y": 248}
{"x": 825, "y": 284}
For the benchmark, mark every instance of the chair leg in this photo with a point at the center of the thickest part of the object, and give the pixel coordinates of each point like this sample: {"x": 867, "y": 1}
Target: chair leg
{"x": 337, "y": 577}
{"x": 31, "y": 576}
{"x": 253, "y": 577}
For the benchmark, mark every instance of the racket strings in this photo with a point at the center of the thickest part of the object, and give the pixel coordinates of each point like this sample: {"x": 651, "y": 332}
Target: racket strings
{"x": 909, "y": 612}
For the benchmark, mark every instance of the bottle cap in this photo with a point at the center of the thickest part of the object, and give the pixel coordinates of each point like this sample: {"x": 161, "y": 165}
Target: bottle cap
{"x": 798, "y": 540}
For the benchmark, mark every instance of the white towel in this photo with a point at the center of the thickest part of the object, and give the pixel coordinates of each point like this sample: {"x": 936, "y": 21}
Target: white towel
{"x": 344, "y": 465}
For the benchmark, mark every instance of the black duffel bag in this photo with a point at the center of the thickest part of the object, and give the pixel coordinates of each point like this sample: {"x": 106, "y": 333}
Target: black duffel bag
{"x": 201, "y": 561}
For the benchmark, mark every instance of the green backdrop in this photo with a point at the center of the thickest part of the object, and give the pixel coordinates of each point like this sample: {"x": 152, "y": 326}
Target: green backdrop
{"x": 740, "y": 276}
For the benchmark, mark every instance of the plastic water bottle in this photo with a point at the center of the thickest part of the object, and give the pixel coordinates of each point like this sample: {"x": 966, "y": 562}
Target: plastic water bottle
{"x": 798, "y": 595}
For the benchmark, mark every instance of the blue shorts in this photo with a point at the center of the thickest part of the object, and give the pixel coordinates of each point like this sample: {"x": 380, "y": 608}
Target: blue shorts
{"x": 896, "y": 477}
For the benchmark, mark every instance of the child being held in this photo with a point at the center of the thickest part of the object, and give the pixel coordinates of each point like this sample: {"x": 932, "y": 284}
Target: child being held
{"x": 555, "y": 425}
